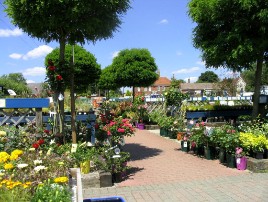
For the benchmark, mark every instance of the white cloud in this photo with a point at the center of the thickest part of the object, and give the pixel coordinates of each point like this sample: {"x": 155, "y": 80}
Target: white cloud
{"x": 8, "y": 32}
{"x": 38, "y": 52}
{"x": 186, "y": 70}
{"x": 115, "y": 54}
{"x": 30, "y": 81}
{"x": 191, "y": 79}
{"x": 164, "y": 21}
{"x": 200, "y": 63}
{"x": 36, "y": 71}
{"x": 15, "y": 56}
{"x": 178, "y": 53}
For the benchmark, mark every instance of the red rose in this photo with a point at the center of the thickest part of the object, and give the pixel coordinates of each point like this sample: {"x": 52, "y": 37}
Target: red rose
{"x": 46, "y": 131}
{"x": 35, "y": 145}
{"x": 41, "y": 141}
{"x": 59, "y": 77}
{"x": 51, "y": 68}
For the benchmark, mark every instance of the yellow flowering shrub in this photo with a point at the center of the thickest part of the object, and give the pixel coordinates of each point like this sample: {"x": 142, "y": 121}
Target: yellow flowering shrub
{"x": 8, "y": 166}
{"x": 4, "y": 156}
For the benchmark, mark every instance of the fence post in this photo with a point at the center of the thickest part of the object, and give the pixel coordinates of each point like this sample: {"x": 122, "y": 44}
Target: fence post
{"x": 39, "y": 117}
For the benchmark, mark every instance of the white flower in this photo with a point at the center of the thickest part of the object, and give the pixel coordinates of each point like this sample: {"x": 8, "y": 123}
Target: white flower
{"x": 49, "y": 151}
{"x": 52, "y": 142}
{"x": 22, "y": 165}
{"x": 32, "y": 149}
{"x": 38, "y": 168}
{"x": 36, "y": 162}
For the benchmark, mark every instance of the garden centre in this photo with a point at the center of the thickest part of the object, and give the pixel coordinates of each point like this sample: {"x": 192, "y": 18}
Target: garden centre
{"x": 35, "y": 163}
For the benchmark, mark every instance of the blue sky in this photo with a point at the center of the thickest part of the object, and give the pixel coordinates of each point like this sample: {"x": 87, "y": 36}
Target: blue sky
{"x": 161, "y": 26}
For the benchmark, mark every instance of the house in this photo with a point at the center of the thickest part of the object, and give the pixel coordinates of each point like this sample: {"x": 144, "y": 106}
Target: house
{"x": 198, "y": 88}
{"x": 157, "y": 88}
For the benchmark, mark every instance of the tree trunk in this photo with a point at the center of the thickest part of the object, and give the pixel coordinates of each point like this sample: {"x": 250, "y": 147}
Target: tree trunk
{"x": 133, "y": 93}
{"x": 61, "y": 102}
{"x": 256, "y": 96}
{"x": 73, "y": 115}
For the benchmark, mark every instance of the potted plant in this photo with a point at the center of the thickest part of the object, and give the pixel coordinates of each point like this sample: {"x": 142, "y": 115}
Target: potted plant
{"x": 241, "y": 160}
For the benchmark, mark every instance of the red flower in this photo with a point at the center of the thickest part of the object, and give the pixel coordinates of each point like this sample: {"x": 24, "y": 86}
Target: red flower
{"x": 96, "y": 126}
{"x": 121, "y": 130}
{"x": 35, "y": 145}
{"x": 58, "y": 77}
{"x": 51, "y": 68}
{"x": 46, "y": 131}
{"x": 41, "y": 141}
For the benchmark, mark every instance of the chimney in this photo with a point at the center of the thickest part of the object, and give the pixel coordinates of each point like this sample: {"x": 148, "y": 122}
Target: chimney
{"x": 189, "y": 80}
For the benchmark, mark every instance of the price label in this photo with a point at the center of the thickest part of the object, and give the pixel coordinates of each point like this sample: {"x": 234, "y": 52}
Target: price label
{"x": 238, "y": 160}
{"x": 184, "y": 144}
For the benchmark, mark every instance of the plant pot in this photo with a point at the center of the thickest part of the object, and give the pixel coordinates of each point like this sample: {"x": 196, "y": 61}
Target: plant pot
{"x": 209, "y": 152}
{"x": 241, "y": 163}
{"x": 222, "y": 155}
{"x": 85, "y": 167}
{"x": 185, "y": 146}
{"x": 163, "y": 132}
{"x": 141, "y": 126}
{"x": 180, "y": 135}
{"x": 230, "y": 160}
{"x": 117, "y": 177}
{"x": 259, "y": 155}
{"x": 199, "y": 150}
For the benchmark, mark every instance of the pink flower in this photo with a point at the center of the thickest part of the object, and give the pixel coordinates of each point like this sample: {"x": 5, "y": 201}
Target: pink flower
{"x": 109, "y": 133}
{"x": 185, "y": 138}
{"x": 121, "y": 130}
{"x": 238, "y": 150}
{"x": 128, "y": 125}
{"x": 112, "y": 123}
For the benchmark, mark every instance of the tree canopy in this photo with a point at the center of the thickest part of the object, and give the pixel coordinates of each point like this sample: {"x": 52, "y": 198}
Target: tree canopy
{"x": 15, "y": 82}
{"x": 232, "y": 34}
{"x": 86, "y": 69}
{"x": 71, "y": 21}
{"x": 208, "y": 77}
{"x": 134, "y": 68}
{"x": 249, "y": 77}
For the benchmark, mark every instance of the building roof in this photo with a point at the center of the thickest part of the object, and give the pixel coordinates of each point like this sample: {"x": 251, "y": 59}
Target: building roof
{"x": 198, "y": 86}
{"x": 162, "y": 81}
{"x": 35, "y": 87}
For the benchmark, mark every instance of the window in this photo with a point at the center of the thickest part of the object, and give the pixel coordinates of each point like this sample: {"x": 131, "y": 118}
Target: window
{"x": 139, "y": 89}
{"x": 159, "y": 88}
{"x": 145, "y": 89}
{"x": 150, "y": 89}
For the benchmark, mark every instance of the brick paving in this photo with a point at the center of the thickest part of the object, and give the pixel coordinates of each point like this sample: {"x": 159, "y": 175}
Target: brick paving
{"x": 160, "y": 171}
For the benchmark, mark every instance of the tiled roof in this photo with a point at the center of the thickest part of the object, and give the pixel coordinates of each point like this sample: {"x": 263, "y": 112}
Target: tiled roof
{"x": 162, "y": 81}
{"x": 198, "y": 86}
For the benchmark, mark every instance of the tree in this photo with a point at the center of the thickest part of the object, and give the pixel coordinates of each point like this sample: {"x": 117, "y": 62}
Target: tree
{"x": 86, "y": 69}
{"x": 232, "y": 34}
{"x": 107, "y": 80}
{"x": 249, "y": 77}
{"x": 134, "y": 68}
{"x": 208, "y": 77}
{"x": 16, "y": 82}
{"x": 175, "y": 83}
{"x": 68, "y": 22}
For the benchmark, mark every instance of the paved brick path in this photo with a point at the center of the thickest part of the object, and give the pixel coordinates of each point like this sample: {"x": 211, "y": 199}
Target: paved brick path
{"x": 161, "y": 172}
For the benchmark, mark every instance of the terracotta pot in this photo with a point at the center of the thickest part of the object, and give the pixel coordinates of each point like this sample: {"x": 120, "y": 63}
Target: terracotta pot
{"x": 180, "y": 135}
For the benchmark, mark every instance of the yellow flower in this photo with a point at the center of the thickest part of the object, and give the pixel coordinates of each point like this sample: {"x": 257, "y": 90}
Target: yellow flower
{"x": 13, "y": 157}
{"x": 3, "y": 133}
{"x": 61, "y": 179}
{"x": 17, "y": 152}
{"x": 8, "y": 166}
{"x": 4, "y": 157}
